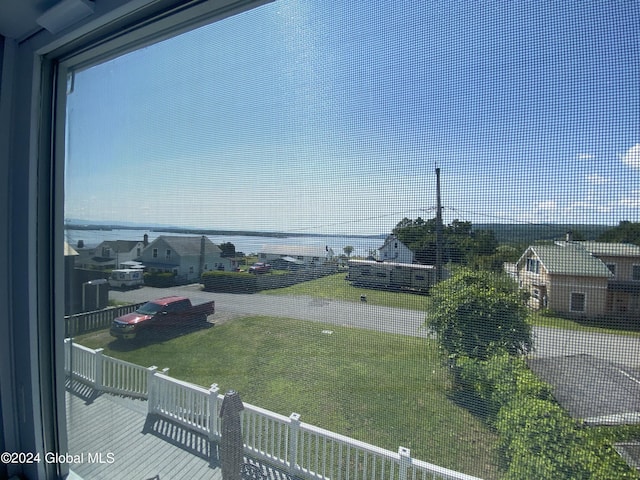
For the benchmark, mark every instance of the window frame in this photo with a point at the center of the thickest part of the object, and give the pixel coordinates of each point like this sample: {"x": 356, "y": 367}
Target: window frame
{"x": 584, "y": 302}
{"x": 635, "y": 268}
{"x": 533, "y": 261}
{"x": 32, "y": 114}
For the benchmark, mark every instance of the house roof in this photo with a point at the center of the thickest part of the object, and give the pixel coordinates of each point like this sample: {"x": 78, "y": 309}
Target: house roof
{"x": 568, "y": 259}
{"x": 69, "y": 250}
{"x": 611, "y": 249}
{"x": 186, "y": 246}
{"x": 296, "y": 250}
{"x": 392, "y": 239}
{"x": 120, "y": 246}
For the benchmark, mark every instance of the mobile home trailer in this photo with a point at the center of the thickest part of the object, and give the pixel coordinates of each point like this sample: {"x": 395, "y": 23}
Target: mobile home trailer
{"x": 392, "y": 276}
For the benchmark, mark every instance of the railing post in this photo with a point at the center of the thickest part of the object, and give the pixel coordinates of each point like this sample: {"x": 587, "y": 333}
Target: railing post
{"x": 213, "y": 412}
{"x": 405, "y": 462}
{"x": 294, "y": 434}
{"x": 67, "y": 356}
{"x": 151, "y": 389}
{"x": 98, "y": 355}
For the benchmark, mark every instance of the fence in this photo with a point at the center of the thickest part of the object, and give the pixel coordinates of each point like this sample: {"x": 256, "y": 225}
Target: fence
{"x": 269, "y": 282}
{"x": 95, "y": 320}
{"x": 305, "y": 451}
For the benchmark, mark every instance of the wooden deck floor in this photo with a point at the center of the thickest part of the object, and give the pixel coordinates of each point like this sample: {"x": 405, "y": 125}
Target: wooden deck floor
{"x": 133, "y": 445}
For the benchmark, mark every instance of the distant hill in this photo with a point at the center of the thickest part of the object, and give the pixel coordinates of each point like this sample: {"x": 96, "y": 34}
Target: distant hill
{"x": 530, "y": 233}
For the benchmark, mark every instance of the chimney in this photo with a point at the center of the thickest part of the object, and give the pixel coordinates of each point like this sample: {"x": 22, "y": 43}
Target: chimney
{"x": 569, "y": 236}
{"x": 145, "y": 240}
{"x": 202, "y": 252}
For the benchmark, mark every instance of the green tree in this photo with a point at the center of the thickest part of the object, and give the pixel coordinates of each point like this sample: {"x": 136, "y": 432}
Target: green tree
{"x": 478, "y": 313}
{"x": 228, "y": 249}
{"x": 625, "y": 232}
{"x": 461, "y": 244}
{"x": 348, "y": 250}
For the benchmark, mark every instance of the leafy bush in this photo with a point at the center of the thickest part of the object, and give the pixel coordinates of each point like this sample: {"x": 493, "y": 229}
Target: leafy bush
{"x": 538, "y": 438}
{"x": 495, "y": 382}
{"x": 478, "y": 314}
{"x": 230, "y": 282}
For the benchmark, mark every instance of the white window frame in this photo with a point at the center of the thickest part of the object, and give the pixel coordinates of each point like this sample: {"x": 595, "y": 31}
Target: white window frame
{"x": 32, "y": 135}
{"x": 533, "y": 261}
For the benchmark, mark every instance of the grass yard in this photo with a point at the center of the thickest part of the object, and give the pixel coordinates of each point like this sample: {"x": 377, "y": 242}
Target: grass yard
{"x": 545, "y": 320}
{"x": 336, "y": 287}
{"x": 387, "y": 390}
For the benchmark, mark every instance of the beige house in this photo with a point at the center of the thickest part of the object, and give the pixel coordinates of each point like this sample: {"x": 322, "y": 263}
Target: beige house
{"x": 582, "y": 279}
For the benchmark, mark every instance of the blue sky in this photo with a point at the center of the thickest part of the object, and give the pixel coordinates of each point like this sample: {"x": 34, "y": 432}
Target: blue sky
{"x": 330, "y": 116}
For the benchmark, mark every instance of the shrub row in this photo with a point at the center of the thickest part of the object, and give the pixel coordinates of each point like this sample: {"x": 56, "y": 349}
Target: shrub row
{"x": 538, "y": 439}
{"x": 160, "y": 280}
{"x": 230, "y": 282}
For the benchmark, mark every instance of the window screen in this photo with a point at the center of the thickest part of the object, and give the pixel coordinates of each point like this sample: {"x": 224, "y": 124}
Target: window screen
{"x": 282, "y": 159}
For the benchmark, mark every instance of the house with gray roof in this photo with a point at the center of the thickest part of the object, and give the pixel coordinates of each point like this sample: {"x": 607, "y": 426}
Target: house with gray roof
{"x": 186, "y": 257}
{"x": 117, "y": 252}
{"x": 582, "y": 279}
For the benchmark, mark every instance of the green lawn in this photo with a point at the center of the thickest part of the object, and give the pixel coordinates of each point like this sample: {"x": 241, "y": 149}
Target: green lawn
{"x": 336, "y": 287}
{"x": 388, "y": 390}
{"x": 544, "y": 320}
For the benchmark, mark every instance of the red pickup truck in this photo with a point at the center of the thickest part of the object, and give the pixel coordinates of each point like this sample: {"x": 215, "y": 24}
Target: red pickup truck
{"x": 166, "y": 313}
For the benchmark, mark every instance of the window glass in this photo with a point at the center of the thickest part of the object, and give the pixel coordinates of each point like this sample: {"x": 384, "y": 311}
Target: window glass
{"x": 315, "y": 130}
{"x": 577, "y": 302}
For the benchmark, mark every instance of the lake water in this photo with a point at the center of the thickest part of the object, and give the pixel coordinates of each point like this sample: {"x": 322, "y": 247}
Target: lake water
{"x": 243, "y": 243}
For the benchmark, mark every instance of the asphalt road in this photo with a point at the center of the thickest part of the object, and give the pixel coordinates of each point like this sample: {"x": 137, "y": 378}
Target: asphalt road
{"x": 549, "y": 342}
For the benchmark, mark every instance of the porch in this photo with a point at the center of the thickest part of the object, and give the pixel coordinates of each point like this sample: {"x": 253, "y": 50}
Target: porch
{"x": 135, "y": 422}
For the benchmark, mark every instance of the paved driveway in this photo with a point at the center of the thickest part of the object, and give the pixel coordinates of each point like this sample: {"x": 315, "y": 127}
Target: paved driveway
{"x": 352, "y": 314}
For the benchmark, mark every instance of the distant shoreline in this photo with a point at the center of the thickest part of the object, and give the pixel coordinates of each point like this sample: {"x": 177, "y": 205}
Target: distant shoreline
{"x": 199, "y": 231}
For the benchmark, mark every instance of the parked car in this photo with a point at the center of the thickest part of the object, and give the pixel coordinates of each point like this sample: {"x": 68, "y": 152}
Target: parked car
{"x": 167, "y": 313}
{"x": 126, "y": 277}
{"x": 260, "y": 267}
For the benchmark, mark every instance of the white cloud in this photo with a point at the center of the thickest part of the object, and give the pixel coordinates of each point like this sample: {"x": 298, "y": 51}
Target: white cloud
{"x": 585, "y": 205}
{"x": 630, "y": 201}
{"x": 596, "y": 179}
{"x": 548, "y": 205}
{"x": 632, "y": 156}
{"x": 585, "y": 156}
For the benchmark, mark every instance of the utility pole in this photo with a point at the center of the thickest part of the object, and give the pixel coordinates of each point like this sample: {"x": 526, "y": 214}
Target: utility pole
{"x": 439, "y": 275}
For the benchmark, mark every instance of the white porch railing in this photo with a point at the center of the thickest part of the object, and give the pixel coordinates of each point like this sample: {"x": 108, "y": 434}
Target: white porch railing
{"x": 303, "y": 450}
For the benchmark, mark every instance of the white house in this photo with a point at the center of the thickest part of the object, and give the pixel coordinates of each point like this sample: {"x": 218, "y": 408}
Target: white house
{"x": 120, "y": 251}
{"x": 185, "y": 257}
{"x": 309, "y": 255}
{"x": 394, "y": 250}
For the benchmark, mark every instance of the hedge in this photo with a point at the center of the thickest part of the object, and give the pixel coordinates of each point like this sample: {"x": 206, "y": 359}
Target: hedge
{"x": 229, "y": 282}
{"x": 538, "y": 438}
